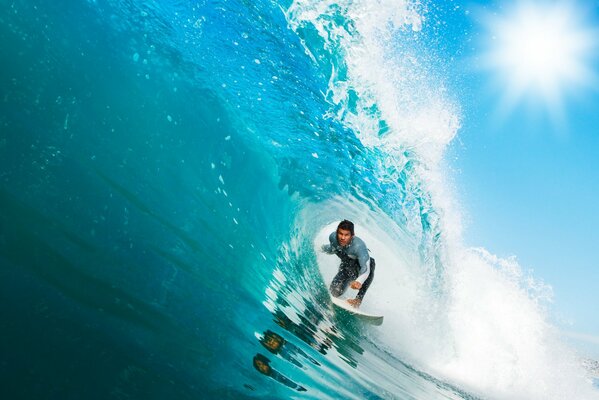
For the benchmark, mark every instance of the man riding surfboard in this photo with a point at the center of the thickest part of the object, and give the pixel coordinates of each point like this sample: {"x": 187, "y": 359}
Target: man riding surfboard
{"x": 356, "y": 268}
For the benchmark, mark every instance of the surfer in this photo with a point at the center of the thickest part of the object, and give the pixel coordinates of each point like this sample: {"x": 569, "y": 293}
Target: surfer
{"x": 356, "y": 268}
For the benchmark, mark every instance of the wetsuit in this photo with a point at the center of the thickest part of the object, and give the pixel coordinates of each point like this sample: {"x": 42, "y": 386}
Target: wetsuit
{"x": 356, "y": 265}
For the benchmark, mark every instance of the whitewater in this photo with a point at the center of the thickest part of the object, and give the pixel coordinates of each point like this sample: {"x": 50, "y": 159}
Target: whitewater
{"x": 169, "y": 172}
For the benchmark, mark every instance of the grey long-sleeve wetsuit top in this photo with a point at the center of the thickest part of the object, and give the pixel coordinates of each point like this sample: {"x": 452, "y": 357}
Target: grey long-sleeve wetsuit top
{"x": 356, "y": 249}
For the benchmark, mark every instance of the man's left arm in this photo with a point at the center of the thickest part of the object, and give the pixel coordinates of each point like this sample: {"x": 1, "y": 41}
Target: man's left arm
{"x": 364, "y": 260}
{"x": 364, "y": 272}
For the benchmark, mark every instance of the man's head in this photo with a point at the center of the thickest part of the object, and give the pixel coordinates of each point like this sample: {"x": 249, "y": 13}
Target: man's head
{"x": 345, "y": 232}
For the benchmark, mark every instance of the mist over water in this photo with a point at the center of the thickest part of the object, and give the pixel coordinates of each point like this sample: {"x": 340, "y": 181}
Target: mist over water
{"x": 169, "y": 172}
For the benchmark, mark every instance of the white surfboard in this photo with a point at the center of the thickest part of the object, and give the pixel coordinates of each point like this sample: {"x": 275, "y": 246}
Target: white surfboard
{"x": 367, "y": 317}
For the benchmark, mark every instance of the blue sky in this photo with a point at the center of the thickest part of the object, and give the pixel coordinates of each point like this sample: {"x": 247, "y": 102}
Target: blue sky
{"x": 527, "y": 167}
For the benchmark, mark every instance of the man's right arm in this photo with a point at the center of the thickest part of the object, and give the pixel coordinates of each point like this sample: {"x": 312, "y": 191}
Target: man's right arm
{"x": 328, "y": 248}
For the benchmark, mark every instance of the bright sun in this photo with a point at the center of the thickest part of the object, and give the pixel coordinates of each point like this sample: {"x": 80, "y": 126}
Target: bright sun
{"x": 539, "y": 51}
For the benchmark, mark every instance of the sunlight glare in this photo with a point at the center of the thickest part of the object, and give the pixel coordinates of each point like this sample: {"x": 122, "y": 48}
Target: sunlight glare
{"x": 539, "y": 51}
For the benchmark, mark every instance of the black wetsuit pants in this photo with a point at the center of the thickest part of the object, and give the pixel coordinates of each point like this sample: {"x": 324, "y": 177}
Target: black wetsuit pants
{"x": 348, "y": 272}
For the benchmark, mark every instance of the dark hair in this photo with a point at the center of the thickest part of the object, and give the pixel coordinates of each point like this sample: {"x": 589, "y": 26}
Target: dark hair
{"x": 346, "y": 226}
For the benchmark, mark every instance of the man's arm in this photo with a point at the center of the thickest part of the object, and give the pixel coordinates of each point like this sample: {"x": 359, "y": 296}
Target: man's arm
{"x": 364, "y": 260}
{"x": 366, "y": 271}
{"x": 328, "y": 248}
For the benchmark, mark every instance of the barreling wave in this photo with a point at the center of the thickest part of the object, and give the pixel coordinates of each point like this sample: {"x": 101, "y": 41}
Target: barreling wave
{"x": 169, "y": 170}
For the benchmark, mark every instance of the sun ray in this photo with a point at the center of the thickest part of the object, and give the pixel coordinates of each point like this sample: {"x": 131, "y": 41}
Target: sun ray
{"x": 539, "y": 52}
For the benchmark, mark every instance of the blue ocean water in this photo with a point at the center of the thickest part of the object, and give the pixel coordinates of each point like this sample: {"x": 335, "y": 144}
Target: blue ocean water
{"x": 167, "y": 171}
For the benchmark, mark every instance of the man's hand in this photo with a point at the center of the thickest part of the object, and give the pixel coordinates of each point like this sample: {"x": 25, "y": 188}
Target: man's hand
{"x": 325, "y": 248}
{"x": 354, "y": 302}
{"x": 356, "y": 285}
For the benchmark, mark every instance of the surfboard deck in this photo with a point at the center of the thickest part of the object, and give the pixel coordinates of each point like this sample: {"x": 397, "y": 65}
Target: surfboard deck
{"x": 370, "y": 318}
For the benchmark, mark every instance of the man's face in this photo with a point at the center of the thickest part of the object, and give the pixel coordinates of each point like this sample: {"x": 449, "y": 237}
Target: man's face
{"x": 344, "y": 237}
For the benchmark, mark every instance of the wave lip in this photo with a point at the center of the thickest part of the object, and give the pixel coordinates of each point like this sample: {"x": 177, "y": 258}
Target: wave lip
{"x": 379, "y": 86}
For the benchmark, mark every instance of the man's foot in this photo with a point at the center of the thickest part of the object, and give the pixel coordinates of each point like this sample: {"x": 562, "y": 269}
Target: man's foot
{"x": 354, "y": 302}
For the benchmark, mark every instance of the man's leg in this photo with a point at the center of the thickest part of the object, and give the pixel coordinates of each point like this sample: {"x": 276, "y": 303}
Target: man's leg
{"x": 346, "y": 274}
{"x": 367, "y": 282}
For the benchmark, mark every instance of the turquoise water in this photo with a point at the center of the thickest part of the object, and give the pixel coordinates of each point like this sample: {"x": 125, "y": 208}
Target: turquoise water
{"x": 166, "y": 168}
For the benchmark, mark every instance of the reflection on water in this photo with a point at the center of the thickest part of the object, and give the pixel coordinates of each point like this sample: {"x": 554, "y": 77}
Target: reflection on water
{"x": 262, "y": 365}
{"x": 301, "y": 324}
{"x": 275, "y": 343}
